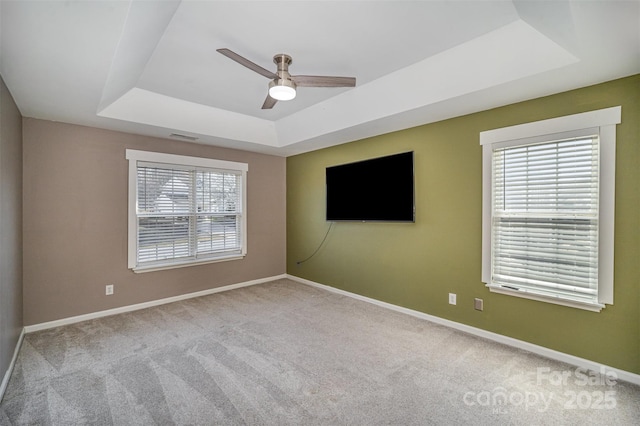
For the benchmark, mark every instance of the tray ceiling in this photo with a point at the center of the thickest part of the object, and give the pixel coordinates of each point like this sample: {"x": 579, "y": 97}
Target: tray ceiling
{"x": 151, "y": 67}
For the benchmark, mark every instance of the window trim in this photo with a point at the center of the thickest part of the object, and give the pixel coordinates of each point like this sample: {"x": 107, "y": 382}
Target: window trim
{"x": 134, "y": 156}
{"x": 605, "y": 121}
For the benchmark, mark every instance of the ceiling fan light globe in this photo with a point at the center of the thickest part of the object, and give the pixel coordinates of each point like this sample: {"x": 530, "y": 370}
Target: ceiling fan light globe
{"x": 283, "y": 90}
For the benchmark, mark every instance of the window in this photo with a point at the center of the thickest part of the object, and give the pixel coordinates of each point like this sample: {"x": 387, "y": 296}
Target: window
{"x": 184, "y": 210}
{"x": 548, "y": 209}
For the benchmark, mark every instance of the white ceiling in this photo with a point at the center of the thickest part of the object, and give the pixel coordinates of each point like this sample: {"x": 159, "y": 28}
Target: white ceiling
{"x": 151, "y": 67}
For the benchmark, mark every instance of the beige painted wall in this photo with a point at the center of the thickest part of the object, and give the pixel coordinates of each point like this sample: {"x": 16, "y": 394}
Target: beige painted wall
{"x": 10, "y": 227}
{"x": 75, "y": 222}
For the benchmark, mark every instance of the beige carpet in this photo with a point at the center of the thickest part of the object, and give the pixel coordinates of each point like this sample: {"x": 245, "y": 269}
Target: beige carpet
{"x": 284, "y": 353}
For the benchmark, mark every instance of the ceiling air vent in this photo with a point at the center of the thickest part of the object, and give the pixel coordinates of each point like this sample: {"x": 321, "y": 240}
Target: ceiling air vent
{"x": 185, "y": 137}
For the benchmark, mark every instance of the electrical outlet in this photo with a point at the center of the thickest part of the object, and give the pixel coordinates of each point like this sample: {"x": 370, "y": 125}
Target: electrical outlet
{"x": 478, "y": 304}
{"x": 109, "y": 290}
{"x": 452, "y": 298}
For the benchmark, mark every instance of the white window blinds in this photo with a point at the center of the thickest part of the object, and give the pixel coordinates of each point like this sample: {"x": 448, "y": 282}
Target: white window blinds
{"x": 184, "y": 210}
{"x": 545, "y": 218}
{"x": 548, "y": 209}
{"x": 187, "y": 213}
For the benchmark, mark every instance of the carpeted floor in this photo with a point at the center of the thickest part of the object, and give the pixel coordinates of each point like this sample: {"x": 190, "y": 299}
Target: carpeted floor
{"x": 284, "y": 353}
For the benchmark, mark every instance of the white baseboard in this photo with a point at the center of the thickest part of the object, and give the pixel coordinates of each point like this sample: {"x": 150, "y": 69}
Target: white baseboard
{"x": 12, "y": 364}
{"x": 520, "y": 344}
{"x": 509, "y": 341}
{"x": 144, "y": 305}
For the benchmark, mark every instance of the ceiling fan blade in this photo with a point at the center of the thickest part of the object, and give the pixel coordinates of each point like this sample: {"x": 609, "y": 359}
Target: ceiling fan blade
{"x": 323, "y": 81}
{"x": 269, "y": 102}
{"x": 247, "y": 63}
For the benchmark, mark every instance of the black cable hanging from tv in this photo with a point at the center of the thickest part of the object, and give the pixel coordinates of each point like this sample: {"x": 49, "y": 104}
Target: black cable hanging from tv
{"x": 300, "y": 262}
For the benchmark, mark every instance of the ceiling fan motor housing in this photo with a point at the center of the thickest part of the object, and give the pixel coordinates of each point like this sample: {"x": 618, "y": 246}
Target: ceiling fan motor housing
{"x": 283, "y": 61}
{"x": 282, "y": 88}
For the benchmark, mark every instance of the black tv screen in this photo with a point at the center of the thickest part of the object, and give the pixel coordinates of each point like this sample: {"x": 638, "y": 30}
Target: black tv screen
{"x": 379, "y": 189}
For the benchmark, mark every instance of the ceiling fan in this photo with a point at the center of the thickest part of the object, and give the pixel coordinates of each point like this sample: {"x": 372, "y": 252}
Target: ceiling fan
{"x": 283, "y": 85}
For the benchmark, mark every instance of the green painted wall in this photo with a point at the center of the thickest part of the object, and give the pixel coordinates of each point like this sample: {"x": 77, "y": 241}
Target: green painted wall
{"x": 417, "y": 265}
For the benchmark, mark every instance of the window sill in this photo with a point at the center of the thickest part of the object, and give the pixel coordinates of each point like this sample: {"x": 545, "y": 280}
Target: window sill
{"x": 164, "y": 266}
{"x": 593, "y": 307}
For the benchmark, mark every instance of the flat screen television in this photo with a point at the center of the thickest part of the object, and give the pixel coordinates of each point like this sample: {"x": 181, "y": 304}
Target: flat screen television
{"x": 377, "y": 190}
